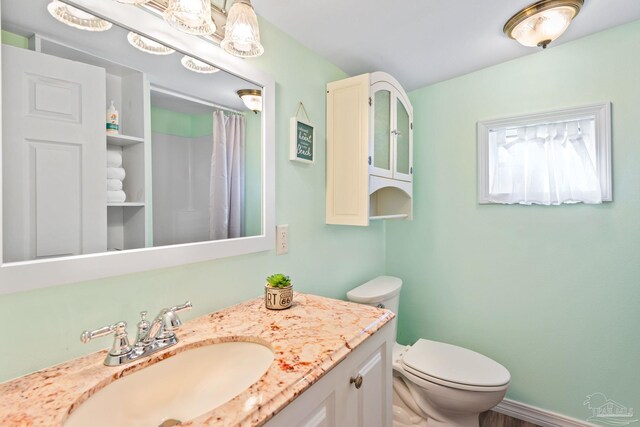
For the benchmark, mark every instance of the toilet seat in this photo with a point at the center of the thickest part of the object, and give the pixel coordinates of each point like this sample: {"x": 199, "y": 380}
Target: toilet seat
{"x": 454, "y": 367}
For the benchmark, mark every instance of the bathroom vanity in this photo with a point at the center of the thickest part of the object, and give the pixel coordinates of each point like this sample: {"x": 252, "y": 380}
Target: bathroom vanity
{"x": 331, "y": 366}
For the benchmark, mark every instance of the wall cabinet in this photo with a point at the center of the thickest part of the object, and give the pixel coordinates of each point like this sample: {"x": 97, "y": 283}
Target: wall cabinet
{"x": 369, "y": 150}
{"x": 355, "y": 393}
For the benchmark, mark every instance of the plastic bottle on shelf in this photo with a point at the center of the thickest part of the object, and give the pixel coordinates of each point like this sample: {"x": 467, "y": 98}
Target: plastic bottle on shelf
{"x": 113, "y": 120}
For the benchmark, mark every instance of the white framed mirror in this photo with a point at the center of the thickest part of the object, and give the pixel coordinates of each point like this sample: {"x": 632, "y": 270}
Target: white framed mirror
{"x": 80, "y": 203}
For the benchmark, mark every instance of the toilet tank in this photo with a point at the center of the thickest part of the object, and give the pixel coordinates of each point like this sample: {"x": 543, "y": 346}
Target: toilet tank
{"x": 382, "y": 291}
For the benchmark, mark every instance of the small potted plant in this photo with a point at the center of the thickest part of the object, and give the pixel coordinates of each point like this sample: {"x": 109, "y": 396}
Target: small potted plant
{"x": 278, "y": 292}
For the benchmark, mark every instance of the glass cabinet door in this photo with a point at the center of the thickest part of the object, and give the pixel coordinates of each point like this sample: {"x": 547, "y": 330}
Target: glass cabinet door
{"x": 381, "y": 153}
{"x": 402, "y": 131}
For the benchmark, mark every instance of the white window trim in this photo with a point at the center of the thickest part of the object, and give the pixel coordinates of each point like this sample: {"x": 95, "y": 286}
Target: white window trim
{"x": 602, "y": 114}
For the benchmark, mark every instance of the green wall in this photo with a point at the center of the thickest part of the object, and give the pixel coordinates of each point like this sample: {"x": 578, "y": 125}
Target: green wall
{"x": 174, "y": 123}
{"x": 326, "y": 260}
{"x": 552, "y": 293}
{"x": 14, "y": 40}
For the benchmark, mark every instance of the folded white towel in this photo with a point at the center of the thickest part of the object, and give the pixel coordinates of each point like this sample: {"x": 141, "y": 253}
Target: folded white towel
{"x": 114, "y": 157}
{"x": 114, "y": 185}
{"x": 116, "y": 173}
{"x": 116, "y": 196}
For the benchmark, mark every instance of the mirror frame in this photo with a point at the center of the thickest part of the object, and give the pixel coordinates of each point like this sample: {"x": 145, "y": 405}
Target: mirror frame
{"x": 34, "y": 274}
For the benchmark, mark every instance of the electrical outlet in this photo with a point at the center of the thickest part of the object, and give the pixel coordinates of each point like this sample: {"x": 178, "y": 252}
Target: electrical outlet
{"x": 282, "y": 239}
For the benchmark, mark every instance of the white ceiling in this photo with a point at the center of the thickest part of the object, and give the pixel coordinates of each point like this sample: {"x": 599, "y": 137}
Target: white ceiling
{"x": 421, "y": 42}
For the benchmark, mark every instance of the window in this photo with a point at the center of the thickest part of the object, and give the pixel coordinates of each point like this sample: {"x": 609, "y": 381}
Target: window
{"x": 548, "y": 158}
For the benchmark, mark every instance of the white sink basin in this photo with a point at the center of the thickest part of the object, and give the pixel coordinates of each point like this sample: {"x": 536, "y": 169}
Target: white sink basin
{"x": 181, "y": 387}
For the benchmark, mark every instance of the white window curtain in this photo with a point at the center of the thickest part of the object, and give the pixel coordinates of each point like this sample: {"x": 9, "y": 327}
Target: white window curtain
{"x": 546, "y": 164}
{"x": 227, "y": 176}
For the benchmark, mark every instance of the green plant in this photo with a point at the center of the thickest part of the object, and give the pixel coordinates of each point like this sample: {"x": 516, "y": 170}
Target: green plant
{"x": 278, "y": 280}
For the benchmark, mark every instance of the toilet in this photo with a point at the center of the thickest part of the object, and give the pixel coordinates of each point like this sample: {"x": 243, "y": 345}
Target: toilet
{"x": 435, "y": 384}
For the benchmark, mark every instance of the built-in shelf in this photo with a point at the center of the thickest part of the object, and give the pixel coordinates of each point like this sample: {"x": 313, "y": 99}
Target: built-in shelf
{"x": 125, "y": 204}
{"x": 122, "y": 140}
{"x": 379, "y": 217}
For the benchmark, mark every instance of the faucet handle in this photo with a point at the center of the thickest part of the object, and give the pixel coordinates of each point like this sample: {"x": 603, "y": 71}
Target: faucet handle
{"x": 170, "y": 320}
{"x": 184, "y": 307}
{"x": 120, "y": 342}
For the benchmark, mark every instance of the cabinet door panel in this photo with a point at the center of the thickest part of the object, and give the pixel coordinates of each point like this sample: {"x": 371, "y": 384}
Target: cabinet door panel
{"x": 382, "y": 130}
{"x": 381, "y": 151}
{"x": 403, "y": 164}
{"x": 371, "y": 405}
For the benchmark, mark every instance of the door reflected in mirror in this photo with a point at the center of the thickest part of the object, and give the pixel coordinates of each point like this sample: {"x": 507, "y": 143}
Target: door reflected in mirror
{"x": 112, "y": 141}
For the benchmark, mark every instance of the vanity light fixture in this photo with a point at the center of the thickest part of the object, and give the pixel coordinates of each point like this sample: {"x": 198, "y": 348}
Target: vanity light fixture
{"x": 147, "y": 45}
{"x": 133, "y": 1}
{"x": 252, "y": 99}
{"x": 242, "y": 35}
{"x": 541, "y": 23}
{"x": 76, "y": 18}
{"x": 190, "y": 16}
{"x": 198, "y": 66}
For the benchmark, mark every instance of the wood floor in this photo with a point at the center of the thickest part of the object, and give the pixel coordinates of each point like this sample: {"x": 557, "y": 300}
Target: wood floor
{"x": 495, "y": 419}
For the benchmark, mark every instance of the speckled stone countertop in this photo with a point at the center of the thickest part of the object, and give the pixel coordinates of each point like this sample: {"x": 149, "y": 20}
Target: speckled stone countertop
{"x": 308, "y": 340}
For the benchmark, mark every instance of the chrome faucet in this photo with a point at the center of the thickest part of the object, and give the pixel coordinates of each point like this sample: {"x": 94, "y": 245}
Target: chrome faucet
{"x": 150, "y": 337}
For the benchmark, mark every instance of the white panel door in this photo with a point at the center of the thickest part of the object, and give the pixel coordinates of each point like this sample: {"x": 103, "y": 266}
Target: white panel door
{"x": 53, "y": 156}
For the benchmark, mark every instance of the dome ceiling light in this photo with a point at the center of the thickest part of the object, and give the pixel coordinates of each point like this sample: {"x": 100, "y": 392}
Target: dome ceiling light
{"x": 252, "y": 99}
{"x": 541, "y": 23}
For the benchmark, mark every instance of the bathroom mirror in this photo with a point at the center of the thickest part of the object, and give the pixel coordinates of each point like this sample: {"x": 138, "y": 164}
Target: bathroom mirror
{"x": 184, "y": 172}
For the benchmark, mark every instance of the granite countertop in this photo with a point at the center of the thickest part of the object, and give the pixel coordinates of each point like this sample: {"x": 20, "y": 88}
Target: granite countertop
{"x": 308, "y": 339}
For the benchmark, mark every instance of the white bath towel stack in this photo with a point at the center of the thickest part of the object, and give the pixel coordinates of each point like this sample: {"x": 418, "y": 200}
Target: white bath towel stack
{"x": 115, "y": 175}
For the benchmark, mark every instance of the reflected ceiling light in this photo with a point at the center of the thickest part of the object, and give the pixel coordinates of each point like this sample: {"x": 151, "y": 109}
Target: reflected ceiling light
{"x": 252, "y": 98}
{"x": 242, "y": 35}
{"x": 190, "y": 16}
{"x": 542, "y": 22}
{"x": 147, "y": 45}
{"x": 76, "y": 18}
{"x": 197, "y": 65}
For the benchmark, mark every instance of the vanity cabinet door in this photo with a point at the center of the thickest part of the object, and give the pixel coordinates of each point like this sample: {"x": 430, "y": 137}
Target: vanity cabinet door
{"x": 367, "y": 398}
{"x": 336, "y": 401}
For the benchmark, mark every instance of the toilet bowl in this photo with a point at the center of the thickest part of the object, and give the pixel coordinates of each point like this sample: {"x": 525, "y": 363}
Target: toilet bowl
{"x": 435, "y": 384}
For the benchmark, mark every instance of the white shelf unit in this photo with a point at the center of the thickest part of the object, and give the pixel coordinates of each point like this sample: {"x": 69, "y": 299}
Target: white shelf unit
{"x": 123, "y": 140}
{"x": 126, "y": 222}
{"x": 369, "y": 150}
{"x": 129, "y": 89}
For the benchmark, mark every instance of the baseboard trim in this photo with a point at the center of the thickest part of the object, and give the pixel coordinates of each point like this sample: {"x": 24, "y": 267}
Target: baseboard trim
{"x": 538, "y": 416}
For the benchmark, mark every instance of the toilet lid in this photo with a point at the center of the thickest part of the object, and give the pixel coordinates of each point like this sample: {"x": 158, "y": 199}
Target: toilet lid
{"x": 454, "y": 364}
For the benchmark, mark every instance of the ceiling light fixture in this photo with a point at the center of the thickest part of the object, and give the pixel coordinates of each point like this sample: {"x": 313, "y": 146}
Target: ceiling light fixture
{"x": 252, "y": 99}
{"x": 242, "y": 35}
{"x": 198, "y": 66}
{"x": 542, "y": 22}
{"x": 190, "y": 16}
{"x": 133, "y": 1}
{"x": 147, "y": 45}
{"x": 76, "y": 18}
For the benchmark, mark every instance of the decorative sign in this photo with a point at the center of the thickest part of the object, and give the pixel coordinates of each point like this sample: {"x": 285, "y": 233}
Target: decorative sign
{"x": 302, "y": 139}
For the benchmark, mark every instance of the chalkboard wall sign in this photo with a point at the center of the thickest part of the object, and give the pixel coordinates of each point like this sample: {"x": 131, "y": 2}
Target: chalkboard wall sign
{"x": 303, "y": 144}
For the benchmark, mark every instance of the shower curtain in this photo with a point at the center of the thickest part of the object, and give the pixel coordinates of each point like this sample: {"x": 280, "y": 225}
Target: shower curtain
{"x": 227, "y": 176}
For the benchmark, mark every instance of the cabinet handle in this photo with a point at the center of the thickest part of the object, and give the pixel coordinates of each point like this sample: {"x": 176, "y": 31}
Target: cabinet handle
{"x": 357, "y": 381}
{"x": 369, "y": 160}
